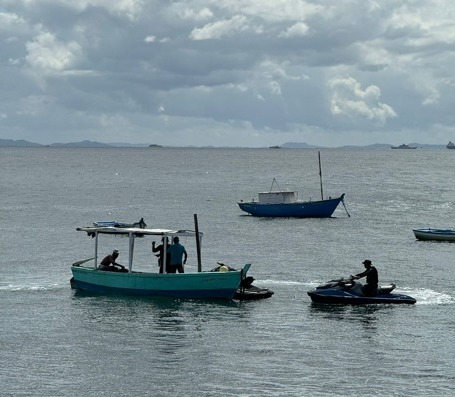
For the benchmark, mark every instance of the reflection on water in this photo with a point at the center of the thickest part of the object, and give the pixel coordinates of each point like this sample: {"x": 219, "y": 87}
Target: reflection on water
{"x": 366, "y": 315}
{"x": 162, "y": 314}
{"x": 162, "y": 327}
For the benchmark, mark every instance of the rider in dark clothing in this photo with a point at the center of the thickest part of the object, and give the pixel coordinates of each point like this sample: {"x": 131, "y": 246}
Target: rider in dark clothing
{"x": 371, "y": 273}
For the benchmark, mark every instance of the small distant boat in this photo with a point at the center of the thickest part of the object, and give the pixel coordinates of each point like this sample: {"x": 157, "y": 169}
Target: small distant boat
{"x": 285, "y": 203}
{"x": 141, "y": 224}
{"x": 200, "y": 284}
{"x": 435, "y": 234}
{"x": 275, "y": 147}
{"x": 403, "y": 146}
{"x": 450, "y": 145}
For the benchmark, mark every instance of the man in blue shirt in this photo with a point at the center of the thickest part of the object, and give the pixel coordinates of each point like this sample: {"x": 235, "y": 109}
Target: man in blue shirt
{"x": 178, "y": 252}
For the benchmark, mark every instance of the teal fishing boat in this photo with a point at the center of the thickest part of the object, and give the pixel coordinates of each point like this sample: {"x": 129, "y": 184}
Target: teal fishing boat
{"x": 87, "y": 275}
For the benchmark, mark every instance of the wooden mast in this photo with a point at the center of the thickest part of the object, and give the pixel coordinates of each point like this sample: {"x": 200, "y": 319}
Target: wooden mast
{"x": 320, "y": 174}
{"x": 198, "y": 244}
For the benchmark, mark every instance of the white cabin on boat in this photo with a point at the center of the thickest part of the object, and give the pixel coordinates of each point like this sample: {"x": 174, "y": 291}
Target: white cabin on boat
{"x": 281, "y": 197}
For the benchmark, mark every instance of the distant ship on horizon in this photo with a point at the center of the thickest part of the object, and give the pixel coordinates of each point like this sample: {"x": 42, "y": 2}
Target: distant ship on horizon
{"x": 450, "y": 145}
{"x": 403, "y": 146}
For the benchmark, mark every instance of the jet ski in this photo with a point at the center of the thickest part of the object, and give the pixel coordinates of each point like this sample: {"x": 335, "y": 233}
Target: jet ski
{"x": 349, "y": 292}
{"x": 246, "y": 291}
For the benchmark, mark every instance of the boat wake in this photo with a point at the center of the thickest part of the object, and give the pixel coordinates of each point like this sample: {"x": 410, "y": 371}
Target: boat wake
{"x": 430, "y": 297}
{"x": 279, "y": 282}
{"x": 12, "y": 287}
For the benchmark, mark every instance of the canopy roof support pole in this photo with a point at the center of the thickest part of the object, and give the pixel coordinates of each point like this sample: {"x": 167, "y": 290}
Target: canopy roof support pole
{"x": 96, "y": 251}
{"x": 164, "y": 257}
{"x": 130, "y": 252}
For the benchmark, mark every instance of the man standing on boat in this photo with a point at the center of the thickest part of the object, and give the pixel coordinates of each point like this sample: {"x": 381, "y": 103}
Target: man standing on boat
{"x": 109, "y": 263}
{"x": 371, "y": 273}
{"x": 178, "y": 252}
{"x": 160, "y": 249}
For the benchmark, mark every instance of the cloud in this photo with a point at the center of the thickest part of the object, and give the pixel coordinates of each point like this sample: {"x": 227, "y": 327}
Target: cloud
{"x": 261, "y": 72}
{"x": 49, "y": 55}
{"x": 349, "y": 100}
{"x": 297, "y": 30}
{"x": 217, "y": 30}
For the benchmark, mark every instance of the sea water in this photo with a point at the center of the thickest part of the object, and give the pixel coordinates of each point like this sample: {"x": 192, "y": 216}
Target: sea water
{"x": 58, "y": 342}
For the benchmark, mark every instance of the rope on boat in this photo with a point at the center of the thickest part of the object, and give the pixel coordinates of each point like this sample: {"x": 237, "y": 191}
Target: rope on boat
{"x": 345, "y": 208}
{"x": 274, "y": 182}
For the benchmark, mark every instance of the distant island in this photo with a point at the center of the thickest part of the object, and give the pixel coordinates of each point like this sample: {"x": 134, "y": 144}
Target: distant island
{"x": 287, "y": 145}
{"x": 81, "y": 144}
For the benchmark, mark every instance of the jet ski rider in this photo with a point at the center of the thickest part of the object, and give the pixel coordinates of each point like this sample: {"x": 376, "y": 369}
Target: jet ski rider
{"x": 371, "y": 273}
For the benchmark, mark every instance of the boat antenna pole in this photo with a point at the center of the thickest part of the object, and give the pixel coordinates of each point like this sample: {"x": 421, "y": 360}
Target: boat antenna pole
{"x": 274, "y": 182}
{"x": 320, "y": 174}
{"x": 198, "y": 244}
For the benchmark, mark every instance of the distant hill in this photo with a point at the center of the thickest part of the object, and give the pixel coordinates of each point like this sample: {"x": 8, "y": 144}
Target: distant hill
{"x": 298, "y": 145}
{"x": 375, "y": 146}
{"x": 287, "y": 145}
{"x": 303, "y": 145}
{"x": 82, "y": 144}
{"x": 18, "y": 143}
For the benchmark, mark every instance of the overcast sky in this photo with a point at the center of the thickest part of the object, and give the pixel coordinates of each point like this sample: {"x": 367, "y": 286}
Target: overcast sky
{"x": 228, "y": 72}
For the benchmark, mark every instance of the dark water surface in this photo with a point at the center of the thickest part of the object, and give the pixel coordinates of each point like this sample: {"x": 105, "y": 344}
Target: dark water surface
{"x": 56, "y": 342}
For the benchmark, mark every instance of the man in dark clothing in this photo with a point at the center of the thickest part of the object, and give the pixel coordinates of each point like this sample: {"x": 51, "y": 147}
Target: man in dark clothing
{"x": 160, "y": 249}
{"x": 371, "y": 286}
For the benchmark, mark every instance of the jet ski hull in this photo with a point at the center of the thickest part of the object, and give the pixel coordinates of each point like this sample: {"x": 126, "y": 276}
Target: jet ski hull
{"x": 349, "y": 299}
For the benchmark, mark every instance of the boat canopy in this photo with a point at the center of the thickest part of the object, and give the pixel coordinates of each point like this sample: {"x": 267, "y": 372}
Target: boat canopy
{"x": 133, "y": 232}
{"x": 280, "y": 197}
{"x": 136, "y": 231}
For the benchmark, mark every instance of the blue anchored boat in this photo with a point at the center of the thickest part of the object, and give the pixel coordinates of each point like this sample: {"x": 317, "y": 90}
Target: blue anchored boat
{"x": 285, "y": 203}
{"x": 199, "y": 285}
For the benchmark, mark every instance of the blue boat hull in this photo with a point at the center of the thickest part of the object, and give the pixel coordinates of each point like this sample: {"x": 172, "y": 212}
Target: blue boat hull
{"x": 298, "y": 209}
{"x": 435, "y": 234}
{"x": 345, "y": 298}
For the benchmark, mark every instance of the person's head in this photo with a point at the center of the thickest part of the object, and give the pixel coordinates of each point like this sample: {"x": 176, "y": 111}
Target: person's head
{"x": 367, "y": 263}
{"x": 115, "y": 253}
{"x": 176, "y": 240}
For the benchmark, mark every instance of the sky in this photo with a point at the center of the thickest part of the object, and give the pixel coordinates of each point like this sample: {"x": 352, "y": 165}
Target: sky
{"x": 228, "y": 72}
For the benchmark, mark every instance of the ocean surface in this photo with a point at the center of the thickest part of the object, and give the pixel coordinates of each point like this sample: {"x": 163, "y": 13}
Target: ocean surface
{"x": 57, "y": 342}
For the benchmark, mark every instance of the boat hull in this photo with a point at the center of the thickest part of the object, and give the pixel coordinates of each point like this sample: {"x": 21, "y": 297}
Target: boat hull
{"x": 435, "y": 234}
{"x": 298, "y": 209}
{"x": 202, "y": 285}
{"x": 350, "y": 299}
{"x": 253, "y": 293}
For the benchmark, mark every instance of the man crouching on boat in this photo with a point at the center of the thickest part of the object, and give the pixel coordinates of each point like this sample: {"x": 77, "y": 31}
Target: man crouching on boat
{"x": 109, "y": 263}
